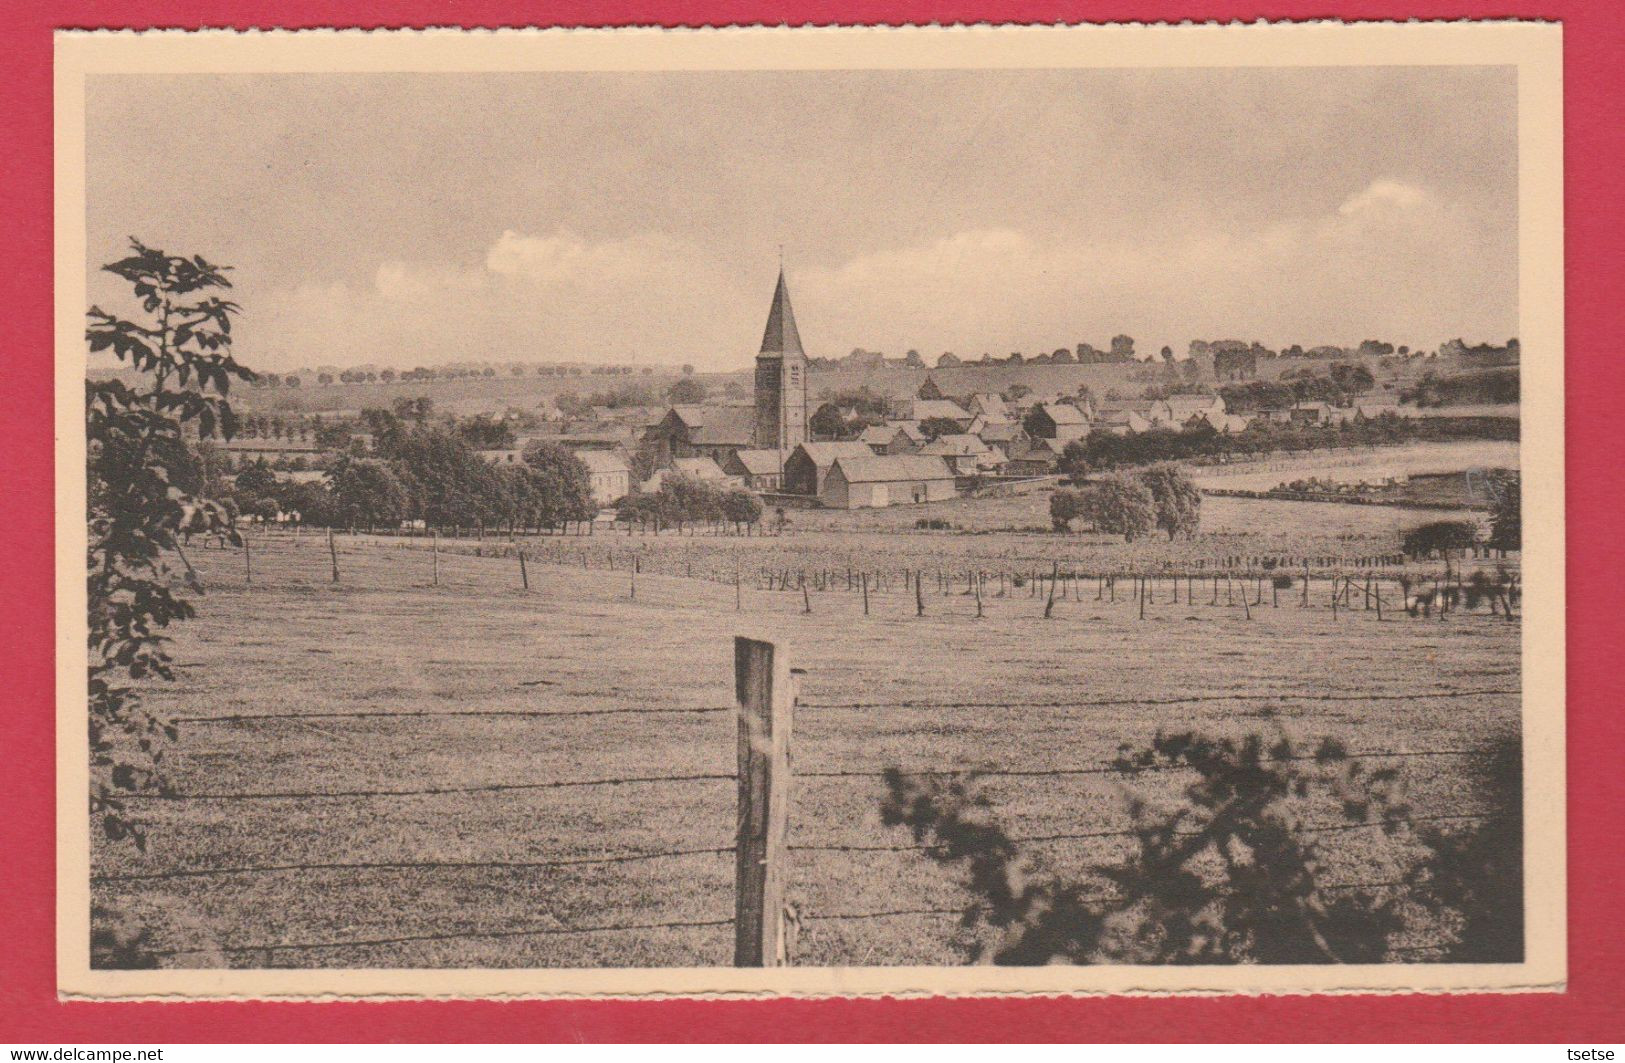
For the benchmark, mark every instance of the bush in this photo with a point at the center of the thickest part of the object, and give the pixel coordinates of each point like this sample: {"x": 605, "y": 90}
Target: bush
{"x": 1232, "y": 874}
{"x": 1121, "y": 505}
{"x": 1440, "y": 535}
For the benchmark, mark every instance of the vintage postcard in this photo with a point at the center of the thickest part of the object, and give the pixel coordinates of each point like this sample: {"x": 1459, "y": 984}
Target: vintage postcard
{"x": 843, "y": 511}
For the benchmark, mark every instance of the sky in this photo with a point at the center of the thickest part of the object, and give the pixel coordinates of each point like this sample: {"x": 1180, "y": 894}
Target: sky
{"x": 419, "y": 219}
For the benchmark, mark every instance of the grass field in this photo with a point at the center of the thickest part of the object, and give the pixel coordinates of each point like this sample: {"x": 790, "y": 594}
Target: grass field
{"x": 518, "y": 693}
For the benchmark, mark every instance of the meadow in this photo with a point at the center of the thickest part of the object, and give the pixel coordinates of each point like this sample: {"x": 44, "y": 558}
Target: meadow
{"x": 386, "y": 771}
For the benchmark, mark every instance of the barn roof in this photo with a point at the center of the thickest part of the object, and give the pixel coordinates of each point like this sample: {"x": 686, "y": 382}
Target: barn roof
{"x": 893, "y": 468}
{"x": 603, "y": 461}
{"x": 758, "y": 462}
{"x": 823, "y": 454}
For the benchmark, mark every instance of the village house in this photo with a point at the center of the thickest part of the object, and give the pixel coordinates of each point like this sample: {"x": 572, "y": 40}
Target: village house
{"x": 893, "y": 437}
{"x": 924, "y": 409}
{"x": 1002, "y": 436}
{"x": 874, "y": 481}
{"x": 759, "y": 470}
{"x": 809, "y": 463}
{"x": 1057, "y": 420}
{"x": 965, "y": 454}
{"x": 706, "y": 470}
{"x": 991, "y": 408}
{"x": 700, "y": 432}
{"x": 608, "y": 475}
{"x": 1122, "y": 422}
{"x": 1226, "y": 423}
{"x": 1182, "y": 408}
{"x": 1311, "y": 414}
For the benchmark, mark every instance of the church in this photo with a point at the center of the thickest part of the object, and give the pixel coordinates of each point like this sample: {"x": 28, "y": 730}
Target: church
{"x": 756, "y": 439}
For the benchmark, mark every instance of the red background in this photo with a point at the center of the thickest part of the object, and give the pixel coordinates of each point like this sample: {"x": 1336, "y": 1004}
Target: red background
{"x": 1592, "y": 1010}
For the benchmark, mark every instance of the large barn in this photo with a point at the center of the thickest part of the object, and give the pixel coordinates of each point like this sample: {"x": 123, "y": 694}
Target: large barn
{"x": 886, "y": 480}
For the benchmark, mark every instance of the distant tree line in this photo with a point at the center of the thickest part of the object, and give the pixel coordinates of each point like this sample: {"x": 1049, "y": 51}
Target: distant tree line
{"x": 683, "y": 500}
{"x": 1104, "y": 450}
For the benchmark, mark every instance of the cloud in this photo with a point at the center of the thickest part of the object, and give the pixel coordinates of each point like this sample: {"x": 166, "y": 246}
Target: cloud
{"x": 1382, "y": 194}
{"x": 1392, "y": 261}
{"x": 558, "y": 296}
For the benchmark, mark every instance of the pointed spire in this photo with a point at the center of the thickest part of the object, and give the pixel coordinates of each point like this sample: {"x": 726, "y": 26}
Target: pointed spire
{"x": 781, "y": 337}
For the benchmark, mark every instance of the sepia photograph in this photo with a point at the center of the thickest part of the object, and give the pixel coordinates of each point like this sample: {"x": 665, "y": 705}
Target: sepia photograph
{"x": 812, "y": 512}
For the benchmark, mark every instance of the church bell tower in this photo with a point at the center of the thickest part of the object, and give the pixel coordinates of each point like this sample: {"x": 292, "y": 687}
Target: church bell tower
{"x": 781, "y": 378}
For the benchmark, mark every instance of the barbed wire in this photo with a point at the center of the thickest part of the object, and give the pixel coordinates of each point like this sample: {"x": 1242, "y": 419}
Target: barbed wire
{"x": 365, "y": 714}
{"x": 1184, "y": 700}
{"x": 1125, "y": 833}
{"x": 405, "y": 865}
{"x": 458, "y": 935}
{"x": 429, "y": 791}
{"x": 1110, "y": 768}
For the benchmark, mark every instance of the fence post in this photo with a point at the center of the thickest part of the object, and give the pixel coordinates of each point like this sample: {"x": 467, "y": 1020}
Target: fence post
{"x": 865, "y": 578}
{"x": 333, "y": 554}
{"x": 919, "y": 595}
{"x": 524, "y": 576}
{"x": 1049, "y": 603}
{"x": 765, "y": 688}
{"x": 248, "y": 564}
{"x": 434, "y": 552}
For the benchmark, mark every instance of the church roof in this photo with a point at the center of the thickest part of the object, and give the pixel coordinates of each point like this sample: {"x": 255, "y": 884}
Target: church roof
{"x": 781, "y": 337}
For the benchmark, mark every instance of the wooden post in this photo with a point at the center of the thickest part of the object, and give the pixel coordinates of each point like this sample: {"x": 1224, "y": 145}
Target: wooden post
{"x": 1142, "y": 583}
{"x": 865, "y": 580}
{"x": 919, "y": 595}
{"x": 766, "y": 691}
{"x": 524, "y": 576}
{"x": 739, "y": 602}
{"x": 806, "y": 599}
{"x": 333, "y": 554}
{"x": 1049, "y": 605}
{"x": 634, "y": 585}
{"x": 434, "y": 552}
{"x": 248, "y": 565}
{"x": 978, "y": 598}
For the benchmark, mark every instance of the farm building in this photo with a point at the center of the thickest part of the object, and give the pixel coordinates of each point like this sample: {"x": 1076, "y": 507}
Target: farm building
{"x": 700, "y": 432}
{"x": 1058, "y": 420}
{"x": 1122, "y": 422}
{"x": 608, "y": 474}
{"x": 925, "y": 409}
{"x": 991, "y": 408}
{"x": 965, "y": 454}
{"x": 705, "y": 470}
{"x": 760, "y": 470}
{"x": 254, "y": 448}
{"x": 873, "y": 480}
{"x": 809, "y": 463}
{"x": 896, "y": 437}
{"x": 1182, "y": 408}
{"x": 1003, "y": 436}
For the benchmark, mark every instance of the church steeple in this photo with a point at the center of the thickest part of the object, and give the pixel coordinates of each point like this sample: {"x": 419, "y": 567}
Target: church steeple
{"x": 781, "y": 377}
{"x": 781, "y": 337}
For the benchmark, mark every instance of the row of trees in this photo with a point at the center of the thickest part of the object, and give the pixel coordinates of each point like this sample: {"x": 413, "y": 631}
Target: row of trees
{"x": 684, "y": 500}
{"x": 427, "y": 474}
{"x": 1104, "y": 450}
{"x": 1162, "y": 497}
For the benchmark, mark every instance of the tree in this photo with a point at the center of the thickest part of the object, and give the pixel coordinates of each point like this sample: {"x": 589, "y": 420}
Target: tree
{"x": 686, "y": 391}
{"x": 688, "y": 370}
{"x": 1119, "y": 505}
{"x": 741, "y": 507}
{"x": 387, "y": 375}
{"x": 1506, "y": 509}
{"x": 366, "y": 493}
{"x": 484, "y": 432}
{"x": 1074, "y": 463}
{"x": 1122, "y": 348}
{"x": 1064, "y": 505}
{"x": 562, "y": 483}
{"x": 138, "y": 507}
{"x": 1439, "y": 535}
{"x": 446, "y": 481}
{"x": 1177, "y": 500}
{"x": 933, "y": 427}
{"x": 827, "y": 422}
{"x": 1230, "y": 874}
{"x": 1016, "y": 392}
